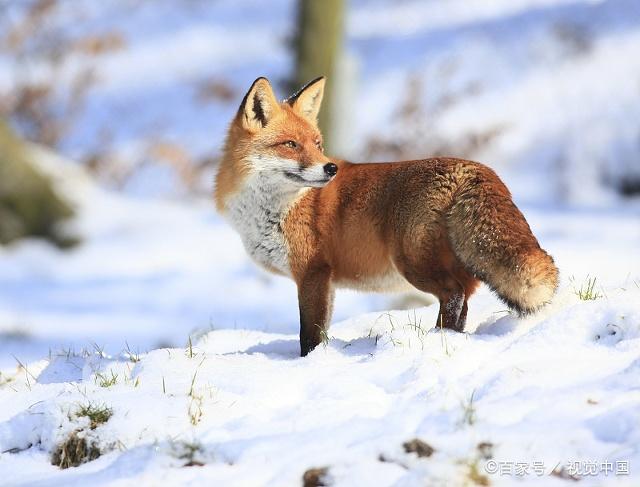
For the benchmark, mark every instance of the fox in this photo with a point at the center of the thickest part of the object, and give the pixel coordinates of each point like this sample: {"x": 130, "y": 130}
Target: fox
{"x": 440, "y": 225}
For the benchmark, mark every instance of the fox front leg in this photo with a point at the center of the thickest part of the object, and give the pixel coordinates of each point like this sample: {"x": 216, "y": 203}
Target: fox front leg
{"x": 315, "y": 299}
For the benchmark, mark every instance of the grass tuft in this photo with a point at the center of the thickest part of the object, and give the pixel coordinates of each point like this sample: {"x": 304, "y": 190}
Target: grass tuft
{"x": 77, "y": 448}
{"x": 97, "y": 414}
{"x": 132, "y": 356}
{"x": 324, "y": 336}
{"x": 443, "y": 337}
{"x": 587, "y": 290}
{"x": 195, "y": 409}
{"x": 469, "y": 416}
{"x": 195, "y": 405}
{"x": 106, "y": 380}
{"x": 190, "y": 352}
{"x": 74, "y": 451}
{"x": 415, "y": 324}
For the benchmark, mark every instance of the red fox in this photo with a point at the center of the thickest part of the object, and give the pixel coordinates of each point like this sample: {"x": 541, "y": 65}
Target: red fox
{"x": 440, "y": 225}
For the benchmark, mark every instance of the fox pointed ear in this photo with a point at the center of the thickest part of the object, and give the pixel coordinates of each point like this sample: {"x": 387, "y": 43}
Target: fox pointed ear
{"x": 259, "y": 105}
{"x": 308, "y": 99}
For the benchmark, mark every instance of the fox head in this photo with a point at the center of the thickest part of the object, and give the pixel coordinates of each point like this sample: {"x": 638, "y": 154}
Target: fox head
{"x": 278, "y": 140}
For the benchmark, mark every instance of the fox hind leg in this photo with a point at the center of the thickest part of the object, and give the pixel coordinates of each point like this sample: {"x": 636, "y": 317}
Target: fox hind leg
{"x": 452, "y": 305}
{"x": 438, "y": 272}
{"x": 453, "y": 287}
{"x": 470, "y": 284}
{"x": 450, "y": 294}
{"x": 449, "y": 314}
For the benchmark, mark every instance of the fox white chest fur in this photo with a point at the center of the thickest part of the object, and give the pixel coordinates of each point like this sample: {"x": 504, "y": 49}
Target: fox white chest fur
{"x": 257, "y": 212}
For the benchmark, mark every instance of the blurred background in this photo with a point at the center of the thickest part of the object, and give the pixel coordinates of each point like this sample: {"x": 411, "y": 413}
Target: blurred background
{"x": 113, "y": 114}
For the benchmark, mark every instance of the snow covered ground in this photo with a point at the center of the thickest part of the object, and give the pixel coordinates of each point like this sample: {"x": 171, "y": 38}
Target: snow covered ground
{"x": 555, "y": 389}
{"x": 160, "y": 322}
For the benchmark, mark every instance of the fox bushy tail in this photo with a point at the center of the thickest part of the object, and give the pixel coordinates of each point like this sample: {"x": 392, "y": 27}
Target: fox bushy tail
{"x": 493, "y": 240}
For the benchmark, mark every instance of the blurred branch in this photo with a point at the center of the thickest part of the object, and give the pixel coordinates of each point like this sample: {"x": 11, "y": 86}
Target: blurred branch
{"x": 52, "y": 70}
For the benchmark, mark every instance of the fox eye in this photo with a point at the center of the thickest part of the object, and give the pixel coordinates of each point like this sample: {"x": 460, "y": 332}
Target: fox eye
{"x": 291, "y": 144}
{"x": 319, "y": 145}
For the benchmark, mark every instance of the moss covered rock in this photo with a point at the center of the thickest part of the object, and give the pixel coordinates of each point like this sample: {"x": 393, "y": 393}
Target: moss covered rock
{"x": 29, "y": 205}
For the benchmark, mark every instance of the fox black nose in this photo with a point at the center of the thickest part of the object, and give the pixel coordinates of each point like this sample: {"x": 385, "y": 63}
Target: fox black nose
{"x": 330, "y": 169}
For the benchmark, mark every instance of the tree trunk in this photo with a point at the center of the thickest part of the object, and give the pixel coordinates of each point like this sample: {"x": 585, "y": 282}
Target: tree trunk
{"x": 318, "y": 46}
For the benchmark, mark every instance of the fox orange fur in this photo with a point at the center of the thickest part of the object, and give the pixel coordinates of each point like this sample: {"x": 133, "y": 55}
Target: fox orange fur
{"x": 440, "y": 225}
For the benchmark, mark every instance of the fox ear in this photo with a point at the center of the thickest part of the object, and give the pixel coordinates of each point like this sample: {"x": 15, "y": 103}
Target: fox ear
{"x": 308, "y": 99}
{"x": 259, "y": 105}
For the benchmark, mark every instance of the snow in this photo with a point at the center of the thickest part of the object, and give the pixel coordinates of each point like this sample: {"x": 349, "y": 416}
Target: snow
{"x": 557, "y": 387}
{"x": 160, "y": 315}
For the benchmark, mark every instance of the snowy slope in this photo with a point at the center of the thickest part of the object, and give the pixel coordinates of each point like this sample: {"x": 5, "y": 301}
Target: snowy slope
{"x": 557, "y": 388}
